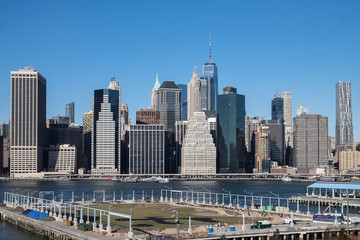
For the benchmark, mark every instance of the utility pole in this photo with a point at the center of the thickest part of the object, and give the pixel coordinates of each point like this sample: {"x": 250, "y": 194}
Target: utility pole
{"x": 176, "y": 216}
{"x": 347, "y": 211}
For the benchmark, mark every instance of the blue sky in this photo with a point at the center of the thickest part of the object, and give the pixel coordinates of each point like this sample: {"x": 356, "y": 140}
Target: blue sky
{"x": 304, "y": 47}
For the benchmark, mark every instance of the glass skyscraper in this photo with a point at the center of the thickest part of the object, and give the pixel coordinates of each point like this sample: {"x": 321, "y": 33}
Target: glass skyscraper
{"x": 344, "y": 124}
{"x": 230, "y": 131}
{"x": 209, "y": 86}
{"x": 169, "y": 105}
{"x": 184, "y": 101}
{"x": 277, "y": 108}
{"x": 70, "y": 111}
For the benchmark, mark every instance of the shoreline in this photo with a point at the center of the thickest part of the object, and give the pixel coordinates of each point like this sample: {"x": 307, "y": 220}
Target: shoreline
{"x": 170, "y": 179}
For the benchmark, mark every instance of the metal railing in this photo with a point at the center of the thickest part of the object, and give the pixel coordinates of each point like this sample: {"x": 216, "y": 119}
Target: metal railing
{"x": 224, "y": 199}
{"x": 64, "y": 211}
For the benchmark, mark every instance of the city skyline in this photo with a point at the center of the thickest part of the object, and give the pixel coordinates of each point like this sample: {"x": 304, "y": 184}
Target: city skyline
{"x": 293, "y": 56}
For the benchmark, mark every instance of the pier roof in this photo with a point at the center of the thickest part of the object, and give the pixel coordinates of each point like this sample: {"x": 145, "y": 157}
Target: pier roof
{"x": 335, "y": 185}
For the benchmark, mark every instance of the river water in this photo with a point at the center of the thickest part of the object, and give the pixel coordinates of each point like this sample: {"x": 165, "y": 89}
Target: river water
{"x": 85, "y": 188}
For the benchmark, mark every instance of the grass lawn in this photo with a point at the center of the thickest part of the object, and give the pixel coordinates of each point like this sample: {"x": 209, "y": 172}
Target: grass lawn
{"x": 156, "y": 215}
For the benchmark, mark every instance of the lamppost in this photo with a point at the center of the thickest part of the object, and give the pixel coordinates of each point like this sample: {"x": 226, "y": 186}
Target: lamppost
{"x": 229, "y": 192}
{"x": 176, "y": 216}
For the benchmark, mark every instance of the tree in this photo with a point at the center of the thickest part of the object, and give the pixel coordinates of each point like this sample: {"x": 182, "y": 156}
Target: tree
{"x": 343, "y": 235}
{"x": 276, "y": 235}
{"x": 327, "y": 234}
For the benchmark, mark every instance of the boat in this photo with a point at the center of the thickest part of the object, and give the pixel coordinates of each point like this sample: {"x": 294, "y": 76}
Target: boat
{"x": 150, "y": 179}
{"x": 130, "y": 179}
{"x": 286, "y": 179}
{"x": 163, "y": 180}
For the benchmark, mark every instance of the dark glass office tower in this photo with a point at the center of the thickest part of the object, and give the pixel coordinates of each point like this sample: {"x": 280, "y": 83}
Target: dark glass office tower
{"x": 183, "y": 88}
{"x": 230, "y": 131}
{"x": 106, "y": 136}
{"x": 277, "y": 108}
{"x": 169, "y": 106}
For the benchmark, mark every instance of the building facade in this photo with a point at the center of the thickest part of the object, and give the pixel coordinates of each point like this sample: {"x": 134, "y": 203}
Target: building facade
{"x": 180, "y": 130}
{"x": 147, "y": 149}
{"x": 63, "y": 134}
{"x": 87, "y": 125}
{"x": 277, "y": 108}
{"x": 310, "y": 142}
{"x": 147, "y": 116}
{"x": 287, "y": 112}
{"x": 4, "y": 130}
{"x": 344, "y": 123}
{"x": 210, "y": 84}
{"x": 62, "y": 158}
{"x": 106, "y": 134}
{"x": 194, "y": 94}
{"x": 70, "y": 112}
{"x": 169, "y": 105}
{"x": 184, "y": 101}
{"x": 154, "y": 93}
{"x": 230, "y": 131}
{"x": 277, "y": 141}
{"x": 198, "y": 153}
{"x": 263, "y": 149}
{"x": 28, "y": 121}
{"x": 348, "y": 158}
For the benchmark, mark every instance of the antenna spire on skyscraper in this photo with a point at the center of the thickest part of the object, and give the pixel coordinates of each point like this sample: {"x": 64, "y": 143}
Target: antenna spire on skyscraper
{"x": 209, "y": 47}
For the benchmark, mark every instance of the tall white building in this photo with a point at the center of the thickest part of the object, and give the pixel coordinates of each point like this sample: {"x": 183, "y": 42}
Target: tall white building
{"x": 344, "y": 123}
{"x": 193, "y": 95}
{"x": 198, "y": 152}
{"x": 154, "y": 93}
{"x": 287, "y": 111}
{"x": 106, "y": 132}
{"x": 62, "y": 158}
{"x": 28, "y": 121}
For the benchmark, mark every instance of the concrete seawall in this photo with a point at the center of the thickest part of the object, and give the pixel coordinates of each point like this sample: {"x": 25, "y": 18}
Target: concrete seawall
{"x": 40, "y": 227}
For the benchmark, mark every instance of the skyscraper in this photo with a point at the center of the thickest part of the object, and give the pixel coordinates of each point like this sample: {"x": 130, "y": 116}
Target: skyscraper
{"x": 28, "y": 121}
{"x": 344, "y": 124}
{"x": 154, "y": 93}
{"x": 310, "y": 141}
{"x": 60, "y": 134}
{"x": 184, "y": 101}
{"x": 287, "y": 112}
{"x": 4, "y": 130}
{"x": 277, "y": 140}
{"x": 106, "y": 134}
{"x": 147, "y": 149}
{"x": 230, "y": 131}
{"x": 209, "y": 84}
{"x": 70, "y": 111}
{"x": 168, "y": 104}
{"x": 194, "y": 94}
{"x": 198, "y": 152}
{"x": 87, "y": 125}
{"x": 277, "y": 108}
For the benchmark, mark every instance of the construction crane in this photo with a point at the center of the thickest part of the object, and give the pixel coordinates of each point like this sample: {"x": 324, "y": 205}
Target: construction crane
{"x": 258, "y": 154}
{"x": 327, "y": 208}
